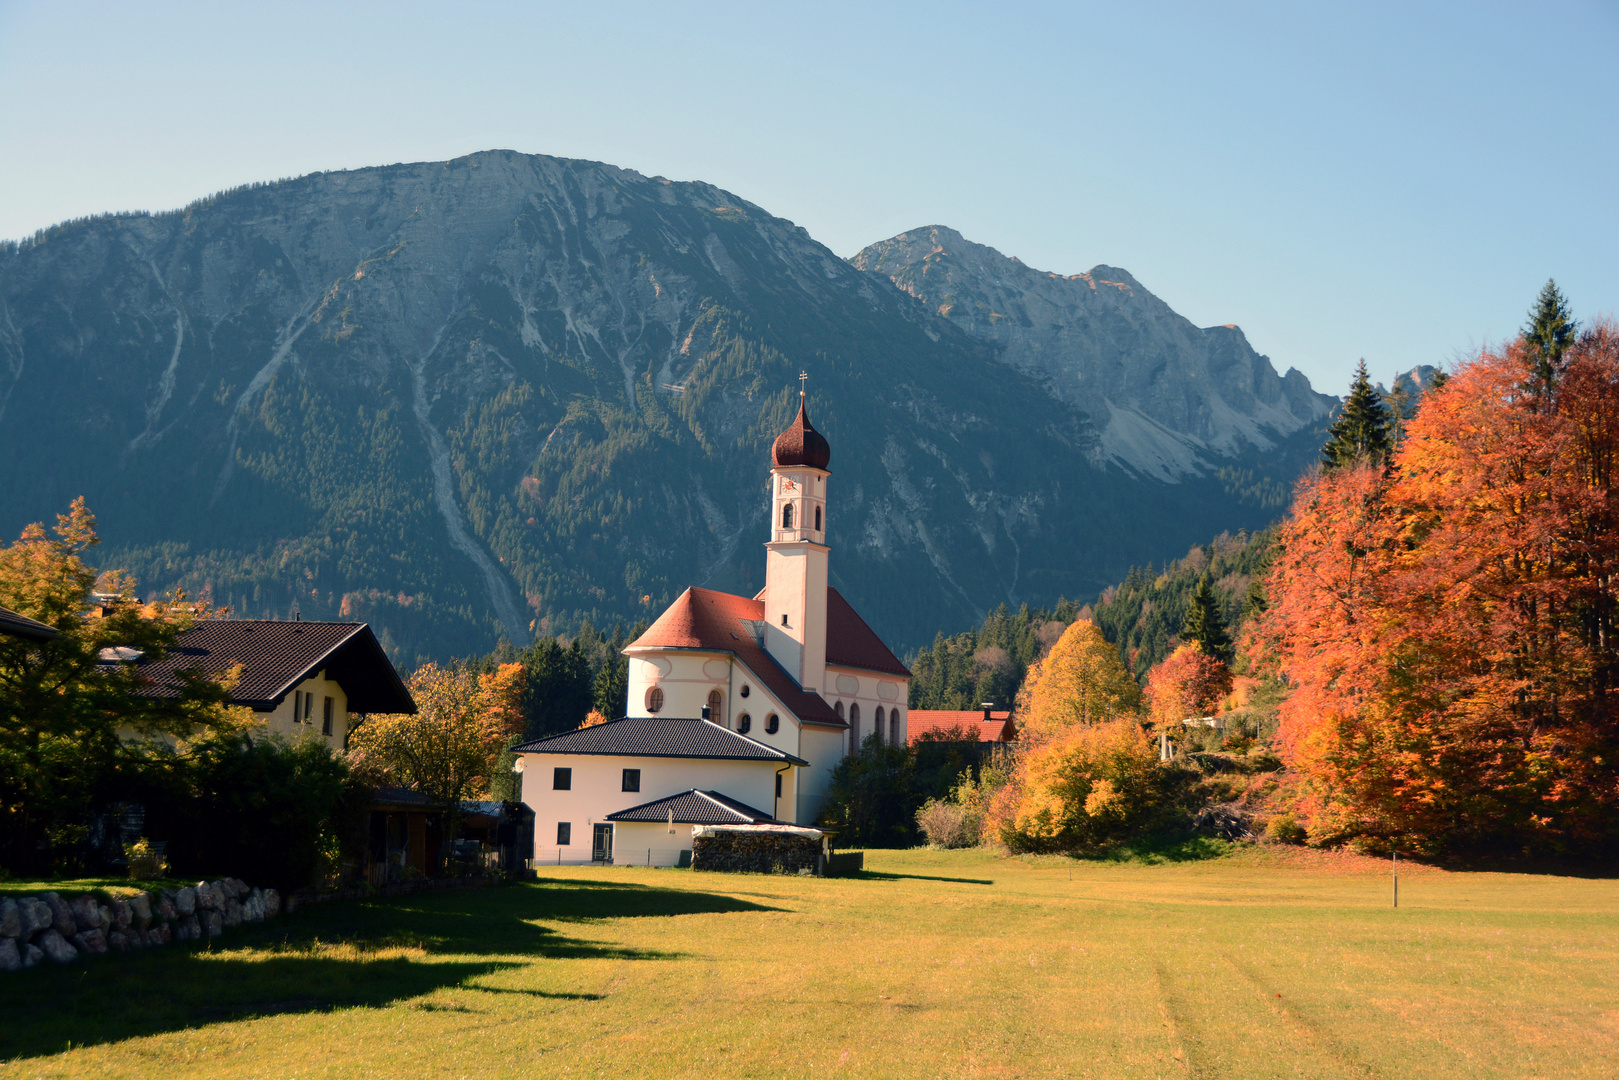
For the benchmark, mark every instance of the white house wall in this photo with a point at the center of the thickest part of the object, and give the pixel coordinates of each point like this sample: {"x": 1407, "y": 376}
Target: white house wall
{"x": 281, "y": 721}
{"x": 597, "y": 790}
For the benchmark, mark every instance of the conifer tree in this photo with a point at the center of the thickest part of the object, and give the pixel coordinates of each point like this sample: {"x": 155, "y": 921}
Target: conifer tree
{"x": 1550, "y": 332}
{"x": 1204, "y": 625}
{"x": 1362, "y": 431}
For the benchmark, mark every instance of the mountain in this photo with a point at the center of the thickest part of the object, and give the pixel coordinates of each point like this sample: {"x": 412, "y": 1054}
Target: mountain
{"x": 494, "y": 396}
{"x": 1170, "y": 400}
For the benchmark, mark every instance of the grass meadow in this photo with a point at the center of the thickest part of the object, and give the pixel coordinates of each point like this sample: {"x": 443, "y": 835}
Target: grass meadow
{"x": 1262, "y": 963}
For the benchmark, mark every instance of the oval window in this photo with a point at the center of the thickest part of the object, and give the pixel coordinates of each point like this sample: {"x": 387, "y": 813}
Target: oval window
{"x": 746, "y": 690}
{"x": 772, "y": 724}
{"x": 743, "y": 723}
{"x": 654, "y": 699}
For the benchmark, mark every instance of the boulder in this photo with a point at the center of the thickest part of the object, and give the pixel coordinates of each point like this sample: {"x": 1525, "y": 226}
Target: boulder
{"x": 32, "y": 956}
{"x": 10, "y": 919}
{"x": 158, "y": 936}
{"x": 272, "y": 903}
{"x": 86, "y": 912}
{"x": 209, "y": 896}
{"x": 103, "y": 918}
{"x": 233, "y": 888}
{"x": 233, "y": 912}
{"x": 118, "y": 941}
{"x": 120, "y": 915}
{"x": 140, "y": 908}
{"x": 61, "y": 916}
{"x": 213, "y": 924}
{"x": 253, "y": 907}
{"x": 35, "y": 915}
{"x": 185, "y": 901}
{"x": 55, "y": 946}
{"x": 187, "y": 928}
{"x": 10, "y": 958}
{"x": 91, "y": 942}
{"x": 137, "y": 937}
{"x": 165, "y": 908}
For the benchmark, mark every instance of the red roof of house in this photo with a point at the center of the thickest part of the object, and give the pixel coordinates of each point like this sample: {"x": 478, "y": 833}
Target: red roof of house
{"x": 998, "y": 728}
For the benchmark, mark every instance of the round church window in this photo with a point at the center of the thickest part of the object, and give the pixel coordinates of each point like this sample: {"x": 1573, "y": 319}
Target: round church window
{"x": 654, "y": 699}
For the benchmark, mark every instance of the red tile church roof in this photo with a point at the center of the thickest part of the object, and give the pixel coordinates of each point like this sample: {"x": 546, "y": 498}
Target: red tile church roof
{"x": 706, "y": 619}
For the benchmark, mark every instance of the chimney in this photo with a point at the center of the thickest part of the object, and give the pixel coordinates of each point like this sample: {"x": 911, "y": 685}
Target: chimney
{"x": 988, "y": 707}
{"x": 705, "y": 713}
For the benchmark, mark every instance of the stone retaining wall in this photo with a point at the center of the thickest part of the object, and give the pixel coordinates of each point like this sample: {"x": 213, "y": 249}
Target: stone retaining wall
{"x": 34, "y": 929}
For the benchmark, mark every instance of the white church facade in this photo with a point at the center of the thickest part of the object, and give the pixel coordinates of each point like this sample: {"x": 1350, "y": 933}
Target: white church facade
{"x": 739, "y": 708}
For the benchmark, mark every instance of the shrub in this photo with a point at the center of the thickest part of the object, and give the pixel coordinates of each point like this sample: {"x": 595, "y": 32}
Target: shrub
{"x": 146, "y": 863}
{"x": 1284, "y": 829}
{"x": 1095, "y": 786}
{"x": 956, "y": 821}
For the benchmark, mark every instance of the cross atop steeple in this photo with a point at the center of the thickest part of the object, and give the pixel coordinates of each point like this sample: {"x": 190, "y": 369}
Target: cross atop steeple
{"x": 803, "y": 378}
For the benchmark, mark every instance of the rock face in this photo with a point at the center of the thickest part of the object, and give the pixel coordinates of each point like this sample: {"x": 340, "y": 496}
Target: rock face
{"x": 476, "y": 398}
{"x": 1168, "y": 398}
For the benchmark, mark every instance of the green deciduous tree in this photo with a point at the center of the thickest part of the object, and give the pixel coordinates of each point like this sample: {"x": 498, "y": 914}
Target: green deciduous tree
{"x": 68, "y": 721}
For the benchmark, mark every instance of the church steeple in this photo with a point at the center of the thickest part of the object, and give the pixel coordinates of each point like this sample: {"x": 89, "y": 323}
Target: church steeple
{"x": 796, "y": 555}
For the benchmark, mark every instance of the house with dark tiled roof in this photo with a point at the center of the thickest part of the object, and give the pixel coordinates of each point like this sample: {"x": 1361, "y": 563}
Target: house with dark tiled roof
{"x": 788, "y": 682}
{"x": 14, "y": 624}
{"x": 302, "y": 678}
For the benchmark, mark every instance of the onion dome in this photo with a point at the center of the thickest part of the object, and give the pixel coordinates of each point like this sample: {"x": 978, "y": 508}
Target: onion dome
{"x": 801, "y": 444}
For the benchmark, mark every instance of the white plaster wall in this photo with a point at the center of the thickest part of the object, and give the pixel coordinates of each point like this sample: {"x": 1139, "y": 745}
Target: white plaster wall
{"x": 598, "y": 791}
{"x": 280, "y": 719}
{"x": 633, "y": 841}
{"x": 691, "y": 675}
{"x": 823, "y": 749}
{"x": 869, "y": 689}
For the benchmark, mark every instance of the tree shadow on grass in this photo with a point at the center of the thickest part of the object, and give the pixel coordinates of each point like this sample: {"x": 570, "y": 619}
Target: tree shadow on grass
{"x": 329, "y": 956}
{"x": 884, "y": 875}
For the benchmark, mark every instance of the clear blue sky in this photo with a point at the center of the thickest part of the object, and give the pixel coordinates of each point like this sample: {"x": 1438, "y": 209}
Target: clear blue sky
{"x": 1393, "y": 181}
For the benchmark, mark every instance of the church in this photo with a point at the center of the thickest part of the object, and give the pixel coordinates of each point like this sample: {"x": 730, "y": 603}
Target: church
{"x": 739, "y": 707}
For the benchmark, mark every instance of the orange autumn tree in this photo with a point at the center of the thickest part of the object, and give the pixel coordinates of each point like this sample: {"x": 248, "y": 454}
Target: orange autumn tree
{"x": 1448, "y": 623}
{"x": 1187, "y": 683}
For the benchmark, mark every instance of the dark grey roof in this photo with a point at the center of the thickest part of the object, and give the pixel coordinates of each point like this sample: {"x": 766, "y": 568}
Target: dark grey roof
{"x": 22, "y": 626}
{"x": 277, "y": 656}
{"x": 696, "y": 808}
{"x": 659, "y": 736}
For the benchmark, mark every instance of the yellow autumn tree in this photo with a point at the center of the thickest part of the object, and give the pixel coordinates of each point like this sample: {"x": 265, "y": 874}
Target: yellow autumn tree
{"x": 449, "y": 748}
{"x": 1081, "y": 681}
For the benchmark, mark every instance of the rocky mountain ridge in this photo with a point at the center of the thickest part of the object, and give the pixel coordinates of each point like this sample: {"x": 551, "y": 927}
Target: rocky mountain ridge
{"x": 497, "y": 395}
{"x": 1169, "y": 399}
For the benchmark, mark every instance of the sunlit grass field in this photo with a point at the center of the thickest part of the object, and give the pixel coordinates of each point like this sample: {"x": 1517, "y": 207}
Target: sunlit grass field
{"x": 934, "y": 964}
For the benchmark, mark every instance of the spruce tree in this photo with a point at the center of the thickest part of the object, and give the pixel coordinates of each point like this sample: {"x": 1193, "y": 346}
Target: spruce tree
{"x": 1550, "y": 332}
{"x": 1362, "y": 431}
{"x": 1204, "y": 625}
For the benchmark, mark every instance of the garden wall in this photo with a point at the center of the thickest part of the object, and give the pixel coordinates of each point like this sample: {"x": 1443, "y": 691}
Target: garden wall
{"x": 34, "y": 929}
{"x": 759, "y": 849}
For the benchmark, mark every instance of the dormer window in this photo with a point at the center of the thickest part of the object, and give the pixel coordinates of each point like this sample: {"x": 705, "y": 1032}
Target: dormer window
{"x": 787, "y": 516}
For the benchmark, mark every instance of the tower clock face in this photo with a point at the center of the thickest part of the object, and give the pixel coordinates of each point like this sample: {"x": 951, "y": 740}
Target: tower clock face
{"x": 788, "y": 484}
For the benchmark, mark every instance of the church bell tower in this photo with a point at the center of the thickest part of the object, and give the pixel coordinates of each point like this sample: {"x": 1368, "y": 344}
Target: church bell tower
{"x": 796, "y": 556}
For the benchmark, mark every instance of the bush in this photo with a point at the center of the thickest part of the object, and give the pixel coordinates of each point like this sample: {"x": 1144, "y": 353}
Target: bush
{"x": 1095, "y": 786}
{"x": 146, "y": 863}
{"x": 956, "y": 821}
{"x": 1285, "y": 829}
{"x": 872, "y": 802}
{"x": 262, "y": 809}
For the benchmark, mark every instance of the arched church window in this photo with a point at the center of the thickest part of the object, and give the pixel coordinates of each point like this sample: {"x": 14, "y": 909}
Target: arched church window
{"x": 817, "y": 519}
{"x": 854, "y": 727}
{"x": 654, "y": 699}
{"x": 772, "y": 724}
{"x": 787, "y": 516}
{"x": 715, "y": 699}
{"x": 877, "y": 721}
{"x": 893, "y": 727}
{"x": 838, "y": 708}
{"x": 743, "y": 723}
